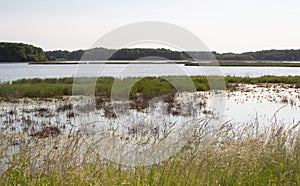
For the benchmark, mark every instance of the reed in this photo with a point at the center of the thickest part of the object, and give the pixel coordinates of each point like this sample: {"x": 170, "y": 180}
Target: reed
{"x": 236, "y": 156}
{"x": 148, "y": 87}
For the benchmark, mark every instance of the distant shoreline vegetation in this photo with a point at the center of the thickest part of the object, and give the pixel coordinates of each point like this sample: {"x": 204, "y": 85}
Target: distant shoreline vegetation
{"x": 19, "y": 52}
{"x": 245, "y": 64}
{"x": 219, "y": 63}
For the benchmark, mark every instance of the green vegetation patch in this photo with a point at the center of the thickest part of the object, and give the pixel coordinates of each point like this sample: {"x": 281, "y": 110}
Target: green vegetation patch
{"x": 243, "y": 63}
{"x": 148, "y": 86}
{"x": 19, "y": 52}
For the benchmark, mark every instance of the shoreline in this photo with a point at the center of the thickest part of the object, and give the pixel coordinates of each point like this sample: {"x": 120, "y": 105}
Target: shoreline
{"x": 148, "y": 87}
{"x": 234, "y": 87}
{"x": 229, "y": 63}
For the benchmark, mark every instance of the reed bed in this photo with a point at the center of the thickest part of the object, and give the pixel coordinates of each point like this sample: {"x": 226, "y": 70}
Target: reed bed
{"x": 237, "y": 155}
{"x": 148, "y": 86}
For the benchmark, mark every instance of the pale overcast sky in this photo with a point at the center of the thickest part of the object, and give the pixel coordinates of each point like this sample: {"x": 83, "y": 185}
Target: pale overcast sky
{"x": 223, "y": 25}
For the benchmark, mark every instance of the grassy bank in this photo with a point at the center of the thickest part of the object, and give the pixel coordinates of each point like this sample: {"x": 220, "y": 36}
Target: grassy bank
{"x": 149, "y": 86}
{"x": 234, "y": 157}
{"x": 220, "y": 63}
{"x": 243, "y": 63}
{"x": 123, "y": 62}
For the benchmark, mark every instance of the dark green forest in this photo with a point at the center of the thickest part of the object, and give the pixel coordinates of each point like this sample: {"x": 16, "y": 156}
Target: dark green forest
{"x": 111, "y": 54}
{"x": 19, "y": 52}
{"x": 161, "y": 53}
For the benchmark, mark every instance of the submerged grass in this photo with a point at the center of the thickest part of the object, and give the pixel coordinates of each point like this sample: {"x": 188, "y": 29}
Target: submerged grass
{"x": 236, "y": 156}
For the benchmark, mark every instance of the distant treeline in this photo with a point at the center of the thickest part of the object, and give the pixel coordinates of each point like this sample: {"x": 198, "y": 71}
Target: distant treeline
{"x": 154, "y": 54}
{"x": 18, "y": 52}
{"x": 112, "y": 54}
{"x": 161, "y": 53}
{"x": 265, "y": 55}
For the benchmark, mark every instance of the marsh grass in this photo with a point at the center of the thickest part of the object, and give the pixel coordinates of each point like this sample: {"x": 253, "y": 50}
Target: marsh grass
{"x": 235, "y": 156}
{"x": 246, "y": 154}
{"x": 147, "y": 87}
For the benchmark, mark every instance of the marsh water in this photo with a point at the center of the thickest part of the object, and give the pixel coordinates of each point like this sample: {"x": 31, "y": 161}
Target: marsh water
{"x": 245, "y": 109}
{"x": 276, "y": 104}
{"x": 14, "y": 71}
{"x": 249, "y": 105}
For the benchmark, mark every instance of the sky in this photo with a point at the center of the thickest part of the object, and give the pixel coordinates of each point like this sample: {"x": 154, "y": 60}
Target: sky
{"x": 223, "y": 25}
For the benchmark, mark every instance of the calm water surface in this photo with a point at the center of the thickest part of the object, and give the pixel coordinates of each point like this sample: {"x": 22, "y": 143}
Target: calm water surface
{"x": 14, "y": 71}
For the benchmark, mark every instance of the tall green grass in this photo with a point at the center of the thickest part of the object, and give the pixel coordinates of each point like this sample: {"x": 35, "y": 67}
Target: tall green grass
{"x": 148, "y": 86}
